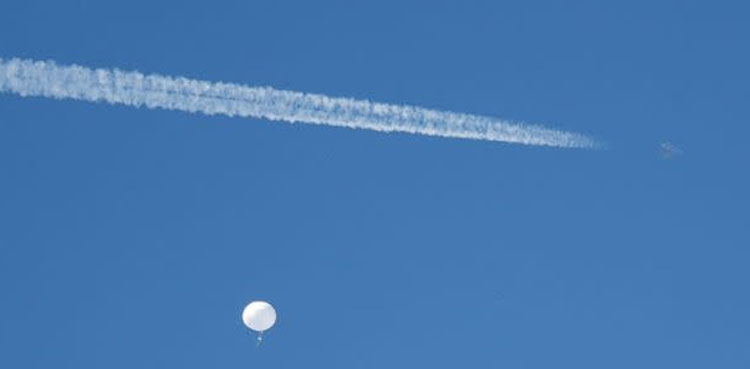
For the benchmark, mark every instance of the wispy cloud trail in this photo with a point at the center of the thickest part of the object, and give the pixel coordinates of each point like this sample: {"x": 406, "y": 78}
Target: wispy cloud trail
{"x": 48, "y": 79}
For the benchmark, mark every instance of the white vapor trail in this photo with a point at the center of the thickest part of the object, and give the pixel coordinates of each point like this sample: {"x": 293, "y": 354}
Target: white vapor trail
{"x": 48, "y": 79}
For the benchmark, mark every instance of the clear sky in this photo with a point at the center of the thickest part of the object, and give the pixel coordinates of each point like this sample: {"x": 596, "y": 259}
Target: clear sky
{"x": 133, "y": 238}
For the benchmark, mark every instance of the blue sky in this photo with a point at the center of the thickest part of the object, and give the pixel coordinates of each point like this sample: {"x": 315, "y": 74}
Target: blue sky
{"x": 134, "y": 238}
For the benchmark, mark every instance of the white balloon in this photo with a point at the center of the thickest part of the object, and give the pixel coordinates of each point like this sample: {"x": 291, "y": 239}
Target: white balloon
{"x": 259, "y": 316}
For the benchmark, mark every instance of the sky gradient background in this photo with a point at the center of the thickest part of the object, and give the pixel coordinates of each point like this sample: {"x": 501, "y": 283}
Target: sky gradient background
{"x": 133, "y": 238}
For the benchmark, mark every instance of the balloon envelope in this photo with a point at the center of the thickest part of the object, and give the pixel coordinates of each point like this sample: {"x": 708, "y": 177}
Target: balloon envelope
{"x": 259, "y": 316}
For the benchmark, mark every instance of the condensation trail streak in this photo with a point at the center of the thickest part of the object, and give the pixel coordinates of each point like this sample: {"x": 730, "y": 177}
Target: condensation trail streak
{"x": 48, "y": 79}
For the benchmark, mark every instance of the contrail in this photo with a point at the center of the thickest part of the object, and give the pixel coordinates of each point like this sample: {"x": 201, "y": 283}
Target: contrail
{"x": 48, "y": 79}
